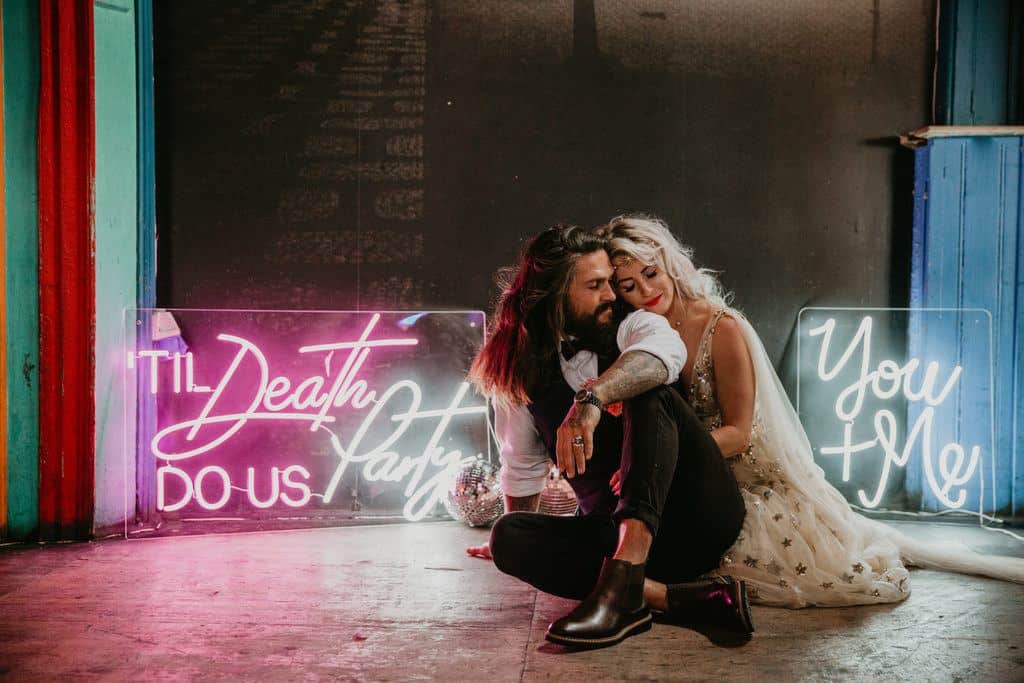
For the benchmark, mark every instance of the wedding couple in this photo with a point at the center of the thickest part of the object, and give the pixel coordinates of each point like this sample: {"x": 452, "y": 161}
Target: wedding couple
{"x": 613, "y": 356}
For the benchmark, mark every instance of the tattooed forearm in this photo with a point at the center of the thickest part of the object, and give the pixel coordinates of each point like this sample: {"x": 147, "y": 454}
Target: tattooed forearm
{"x": 631, "y": 375}
{"x": 523, "y": 504}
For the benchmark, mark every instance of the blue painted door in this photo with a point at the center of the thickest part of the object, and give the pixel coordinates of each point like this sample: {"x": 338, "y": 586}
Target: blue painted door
{"x": 967, "y": 254}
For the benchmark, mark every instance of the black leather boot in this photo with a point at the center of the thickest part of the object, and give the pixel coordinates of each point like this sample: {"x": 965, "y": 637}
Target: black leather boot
{"x": 613, "y": 611}
{"x": 720, "y": 602}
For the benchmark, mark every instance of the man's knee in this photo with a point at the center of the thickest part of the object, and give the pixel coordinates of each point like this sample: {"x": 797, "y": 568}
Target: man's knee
{"x": 662, "y": 397}
{"x": 507, "y": 540}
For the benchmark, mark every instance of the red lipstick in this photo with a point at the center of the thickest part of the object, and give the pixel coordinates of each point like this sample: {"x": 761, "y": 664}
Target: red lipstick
{"x": 653, "y": 302}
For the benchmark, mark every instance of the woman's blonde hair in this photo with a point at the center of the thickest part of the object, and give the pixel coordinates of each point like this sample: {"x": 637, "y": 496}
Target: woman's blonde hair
{"x": 648, "y": 239}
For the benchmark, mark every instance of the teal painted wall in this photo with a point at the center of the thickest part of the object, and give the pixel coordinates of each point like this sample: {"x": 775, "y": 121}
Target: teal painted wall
{"x": 116, "y": 255}
{"x": 21, "y": 103}
{"x": 145, "y": 413}
{"x": 978, "y": 75}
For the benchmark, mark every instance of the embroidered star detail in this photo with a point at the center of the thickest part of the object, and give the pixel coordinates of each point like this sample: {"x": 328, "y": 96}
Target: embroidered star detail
{"x": 848, "y": 578}
{"x": 767, "y": 494}
{"x": 786, "y": 542}
{"x": 753, "y": 591}
{"x": 774, "y": 568}
{"x": 783, "y": 583}
{"x": 875, "y": 593}
{"x": 750, "y": 561}
{"x": 827, "y": 585}
{"x": 777, "y": 516}
{"x": 801, "y": 569}
{"x": 859, "y": 568}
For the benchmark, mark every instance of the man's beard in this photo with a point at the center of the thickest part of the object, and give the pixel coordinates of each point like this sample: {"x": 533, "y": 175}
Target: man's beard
{"x": 590, "y": 332}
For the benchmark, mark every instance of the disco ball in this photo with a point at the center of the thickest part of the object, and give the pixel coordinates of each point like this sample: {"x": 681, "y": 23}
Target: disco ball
{"x": 475, "y": 496}
{"x": 557, "y": 497}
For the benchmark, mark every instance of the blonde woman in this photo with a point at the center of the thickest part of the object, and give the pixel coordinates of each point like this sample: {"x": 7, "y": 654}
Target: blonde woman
{"x": 801, "y": 543}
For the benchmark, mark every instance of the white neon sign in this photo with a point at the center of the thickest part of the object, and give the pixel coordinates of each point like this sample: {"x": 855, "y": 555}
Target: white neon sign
{"x": 946, "y": 474}
{"x": 317, "y": 400}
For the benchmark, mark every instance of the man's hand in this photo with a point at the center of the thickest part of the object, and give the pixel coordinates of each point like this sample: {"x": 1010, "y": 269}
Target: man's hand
{"x": 575, "y": 439}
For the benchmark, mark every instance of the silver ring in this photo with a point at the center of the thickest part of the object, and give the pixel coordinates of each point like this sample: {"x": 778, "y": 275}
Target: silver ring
{"x": 577, "y": 441}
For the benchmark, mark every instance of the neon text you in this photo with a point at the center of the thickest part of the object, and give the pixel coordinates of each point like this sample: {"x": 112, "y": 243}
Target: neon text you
{"x": 945, "y": 474}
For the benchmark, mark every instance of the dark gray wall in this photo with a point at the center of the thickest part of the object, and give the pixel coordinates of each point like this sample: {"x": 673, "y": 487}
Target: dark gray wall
{"x": 382, "y": 154}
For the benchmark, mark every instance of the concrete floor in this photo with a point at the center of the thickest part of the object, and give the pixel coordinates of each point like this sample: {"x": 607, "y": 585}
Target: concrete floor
{"x": 404, "y": 602}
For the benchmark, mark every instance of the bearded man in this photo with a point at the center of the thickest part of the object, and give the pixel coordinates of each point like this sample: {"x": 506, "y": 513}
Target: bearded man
{"x": 560, "y": 353}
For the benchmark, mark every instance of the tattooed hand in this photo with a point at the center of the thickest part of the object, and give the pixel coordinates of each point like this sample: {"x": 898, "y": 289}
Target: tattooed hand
{"x": 575, "y": 439}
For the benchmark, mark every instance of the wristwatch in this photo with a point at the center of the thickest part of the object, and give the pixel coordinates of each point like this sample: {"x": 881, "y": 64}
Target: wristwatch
{"x": 587, "y": 396}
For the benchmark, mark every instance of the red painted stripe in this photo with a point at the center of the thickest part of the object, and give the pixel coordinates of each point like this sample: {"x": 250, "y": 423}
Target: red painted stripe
{"x": 66, "y": 270}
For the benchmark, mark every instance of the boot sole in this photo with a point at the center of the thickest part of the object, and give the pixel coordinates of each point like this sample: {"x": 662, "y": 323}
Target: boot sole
{"x": 745, "y": 608}
{"x": 633, "y": 629}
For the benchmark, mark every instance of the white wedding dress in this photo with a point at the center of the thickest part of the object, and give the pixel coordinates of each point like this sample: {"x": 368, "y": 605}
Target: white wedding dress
{"x": 801, "y": 543}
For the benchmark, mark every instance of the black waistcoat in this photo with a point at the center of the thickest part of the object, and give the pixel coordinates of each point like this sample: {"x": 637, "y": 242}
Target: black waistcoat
{"x": 549, "y": 405}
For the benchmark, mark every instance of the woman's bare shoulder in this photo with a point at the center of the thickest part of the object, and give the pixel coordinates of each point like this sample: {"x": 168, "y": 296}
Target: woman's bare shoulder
{"x": 729, "y": 342}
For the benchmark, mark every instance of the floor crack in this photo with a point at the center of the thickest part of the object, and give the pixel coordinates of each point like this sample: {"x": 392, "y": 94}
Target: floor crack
{"x": 529, "y": 635}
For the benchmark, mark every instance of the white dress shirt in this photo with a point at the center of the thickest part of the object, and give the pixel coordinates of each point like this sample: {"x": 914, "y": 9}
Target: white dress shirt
{"x": 524, "y": 457}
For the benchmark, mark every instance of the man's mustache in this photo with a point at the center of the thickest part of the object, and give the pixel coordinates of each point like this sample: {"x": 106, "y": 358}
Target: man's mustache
{"x": 602, "y": 308}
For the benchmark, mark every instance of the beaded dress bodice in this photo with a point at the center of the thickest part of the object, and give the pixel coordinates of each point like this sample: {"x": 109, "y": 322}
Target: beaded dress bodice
{"x": 701, "y": 391}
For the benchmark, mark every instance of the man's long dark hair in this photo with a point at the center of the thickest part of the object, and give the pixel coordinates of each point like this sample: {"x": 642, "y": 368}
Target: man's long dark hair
{"x": 530, "y": 317}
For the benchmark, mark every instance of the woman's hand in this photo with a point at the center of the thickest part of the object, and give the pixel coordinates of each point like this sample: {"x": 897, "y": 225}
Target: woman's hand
{"x": 481, "y": 551}
{"x": 616, "y": 482}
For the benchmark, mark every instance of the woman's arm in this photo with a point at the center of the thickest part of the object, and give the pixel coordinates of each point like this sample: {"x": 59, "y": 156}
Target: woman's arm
{"x": 734, "y": 375}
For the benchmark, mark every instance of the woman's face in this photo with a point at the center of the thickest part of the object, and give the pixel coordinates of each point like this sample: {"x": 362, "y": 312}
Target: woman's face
{"x": 644, "y": 285}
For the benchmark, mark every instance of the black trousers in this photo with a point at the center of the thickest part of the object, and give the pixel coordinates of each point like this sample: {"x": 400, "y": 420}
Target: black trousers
{"x": 674, "y": 479}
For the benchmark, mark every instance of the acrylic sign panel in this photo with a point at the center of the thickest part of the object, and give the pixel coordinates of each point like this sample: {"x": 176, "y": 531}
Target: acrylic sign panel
{"x": 305, "y": 415}
{"x": 898, "y": 428}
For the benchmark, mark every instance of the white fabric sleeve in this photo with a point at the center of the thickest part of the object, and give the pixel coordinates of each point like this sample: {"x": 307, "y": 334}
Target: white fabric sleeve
{"x": 650, "y": 332}
{"x": 524, "y": 457}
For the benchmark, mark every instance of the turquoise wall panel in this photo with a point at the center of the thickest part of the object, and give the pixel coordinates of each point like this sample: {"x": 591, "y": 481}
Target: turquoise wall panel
{"x": 979, "y": 61}
{"x": 21, "y": 104}
{"x": 145, "y": 420}
{"x": 116, "y": 253}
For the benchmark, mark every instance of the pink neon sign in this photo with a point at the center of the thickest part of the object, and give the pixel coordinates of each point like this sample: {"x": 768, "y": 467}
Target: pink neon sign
{"x": 392, "y": 435}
